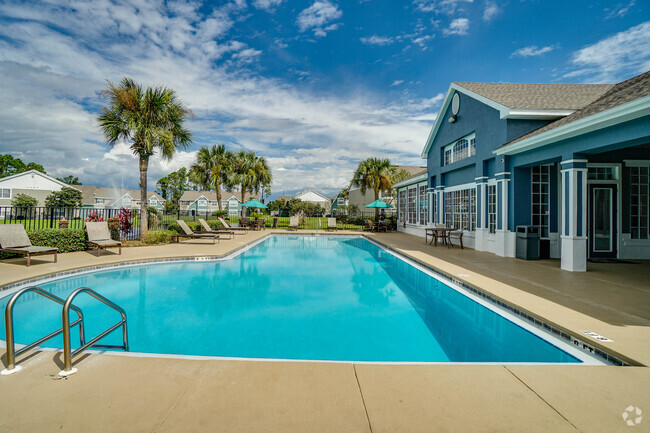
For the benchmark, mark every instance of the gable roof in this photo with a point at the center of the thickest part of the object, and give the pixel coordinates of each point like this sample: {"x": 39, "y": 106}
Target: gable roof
{"x": 192, "y": 196}
{"x": 622, "y": 102}
{"x": 89, "y": 193}
{"x": 417, "y": 176}
{"x": 313, "y": 192}
{"x": 412, "y": 169}
{"x": 522, "y": 100}
{"x": 36, "y": 172}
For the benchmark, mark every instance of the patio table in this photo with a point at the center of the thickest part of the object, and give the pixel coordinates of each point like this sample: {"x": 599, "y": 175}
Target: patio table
{"x": 434, "y": 232}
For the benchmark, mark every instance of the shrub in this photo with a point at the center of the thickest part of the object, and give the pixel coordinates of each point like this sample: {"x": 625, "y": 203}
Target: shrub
{"x": 220, "y": 213}
{"x": 154, "y": 237}
{"x": 66, "y": 240}
{"x": 114, "y": 227}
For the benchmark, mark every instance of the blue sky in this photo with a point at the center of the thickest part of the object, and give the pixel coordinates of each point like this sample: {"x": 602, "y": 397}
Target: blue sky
{"x": 314, "y": 86}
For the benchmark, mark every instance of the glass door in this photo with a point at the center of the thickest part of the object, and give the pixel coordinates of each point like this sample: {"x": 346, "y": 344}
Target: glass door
{"x": 602, "y": 221}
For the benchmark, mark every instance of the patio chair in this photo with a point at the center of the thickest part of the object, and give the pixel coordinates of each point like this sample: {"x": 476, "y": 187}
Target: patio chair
{"x": 238, "y": 230}
{"x": 293, "y": 223}
{"x": 382, "y": 226}
{"x": 261, "y": 224}
{"x": 457, "y": 234}
{"x": 331, "y": 224}
{"x": 188, "y": 233}
{"x": 370, "y": 226}
{"x": 208, "y": 229}
{"x": 14, "y": 239}
{"x": 100, "y": 236}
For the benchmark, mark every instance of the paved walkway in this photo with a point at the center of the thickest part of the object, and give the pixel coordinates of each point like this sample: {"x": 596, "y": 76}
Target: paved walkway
{"x": 113, "y": 393}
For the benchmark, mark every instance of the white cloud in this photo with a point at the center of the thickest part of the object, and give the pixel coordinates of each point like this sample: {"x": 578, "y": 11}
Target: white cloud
{"x": 397, "y": 83}
{"x": 619, "y": 11}
{"x": 448, "y": 7}
{"x": 422, "y": 41}
{"x": 532, "y": 51}
{"x": 317, "y": 15}
{"x": 50, "y": 81}
{"x": 266, "y": 4}
{"x": 459, "y": 26}
{"x": 616, "y": 57}
{"x": 377, "y": 40}
{"x": 491, "y": 11}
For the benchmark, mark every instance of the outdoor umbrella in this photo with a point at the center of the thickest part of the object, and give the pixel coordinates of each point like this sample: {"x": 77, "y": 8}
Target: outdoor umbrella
{"x": 255, "y": 203}
{"x": 380, "y": 204}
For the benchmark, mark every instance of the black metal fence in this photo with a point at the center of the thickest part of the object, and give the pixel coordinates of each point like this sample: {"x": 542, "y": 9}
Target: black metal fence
{"x": 39, "y": 218}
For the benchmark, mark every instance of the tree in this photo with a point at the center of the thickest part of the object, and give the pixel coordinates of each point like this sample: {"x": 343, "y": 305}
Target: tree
{"x": 24, "y": 200}
{"x": 70, "y": 180}
{"x": 374, "y": 174}
{"x": 278, "y": 204}
{"x": 172, "y": 187}
{"x": 67, "y": 197}
{"x": 212, "y": 168}
{"x": 397, "y": 175}
{"x": 151, "y": 119}
{"x": 10, "y": 166}
{"x": 250, "y": 173}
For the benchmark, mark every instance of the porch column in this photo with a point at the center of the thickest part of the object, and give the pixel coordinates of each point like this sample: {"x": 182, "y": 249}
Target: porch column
{"x": 481, "y": 212}
{"x": 574, "y": 215}
{"x": 440, "y": 191}
{"x": 431, "y": 192}
{"x": 504, "y": 246}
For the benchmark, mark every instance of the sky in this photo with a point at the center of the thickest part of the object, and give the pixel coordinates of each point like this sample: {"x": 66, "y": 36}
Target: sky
{"x": 313, "y": 86}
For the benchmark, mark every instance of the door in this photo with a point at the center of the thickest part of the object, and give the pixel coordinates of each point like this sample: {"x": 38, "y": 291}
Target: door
{"x": 603, "y": 212}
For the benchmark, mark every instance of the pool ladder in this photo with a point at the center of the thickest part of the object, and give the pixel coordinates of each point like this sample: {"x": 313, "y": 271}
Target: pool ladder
{"x": 68, "y": 353}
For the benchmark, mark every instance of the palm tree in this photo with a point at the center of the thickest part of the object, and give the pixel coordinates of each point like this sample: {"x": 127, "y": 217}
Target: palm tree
{"x": 212, "y": 168}
{"x": 375, "y": 174}
{"x": 151, "y": 119}
{"x": 249, "y": 172}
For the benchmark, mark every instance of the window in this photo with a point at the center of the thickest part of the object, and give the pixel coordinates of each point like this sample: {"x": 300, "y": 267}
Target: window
{"x": 459, "y": 150}
{"x": 540, "y": 197}
{"x": 203, "y": 203}
{"x": 602, "y": 173}
{"x": 224, "y": 204}
{"x": 5, "y": 193}
{"x": 639, "y": 186}
{"x": 412, "y": 205}
{"x": 184, "y": 202}
{"x": 340, "y": 201}
{"x": 126, "y": 201}
{"x": 492, "y": 208}
{"x": 152, "y": 202}
{"x": 214, "y": 203}
{"x": 100, "y": 201}
{"x": 423, "y": 204}
{"x": 402, "y": 204}
{"x": 460, "y": 209}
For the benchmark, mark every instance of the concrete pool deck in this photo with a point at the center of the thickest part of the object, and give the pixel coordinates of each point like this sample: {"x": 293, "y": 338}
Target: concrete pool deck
{"x": 123, "y": 394}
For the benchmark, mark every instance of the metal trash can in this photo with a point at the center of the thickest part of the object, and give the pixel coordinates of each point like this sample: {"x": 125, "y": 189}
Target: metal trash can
{"x": 527, "y": 243}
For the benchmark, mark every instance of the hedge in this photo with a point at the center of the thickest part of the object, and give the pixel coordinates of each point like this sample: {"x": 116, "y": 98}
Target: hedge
{"x": 66, "y": 240}
{"x": 154, "y": 237}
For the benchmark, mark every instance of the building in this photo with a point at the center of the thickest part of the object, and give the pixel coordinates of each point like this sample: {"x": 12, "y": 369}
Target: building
{"x": 360, "y": 200}
{"x": 572, "y": 160}
{"x": 32, "y": 183}
{"x": 95, "y": 197}
{"x": 205, "y": 202}
{"x": 312, "y": 196}
{"x": 339, "y": 204}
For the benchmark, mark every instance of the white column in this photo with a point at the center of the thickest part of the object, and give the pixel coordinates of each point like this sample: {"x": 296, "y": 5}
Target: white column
{"x": 482, "y": 208}
{"x": 574, "y": 215}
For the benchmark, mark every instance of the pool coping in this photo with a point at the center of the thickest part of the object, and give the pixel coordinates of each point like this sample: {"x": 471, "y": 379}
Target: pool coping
{"x": 528, "y": 317}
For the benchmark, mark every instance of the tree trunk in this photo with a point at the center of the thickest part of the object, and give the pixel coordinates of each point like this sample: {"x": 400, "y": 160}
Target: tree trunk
{"x": 144, "y": 166}
{"x": 376, "y": 209}
{"x": 217, "y": 187}
{"x": 243, "y": 200}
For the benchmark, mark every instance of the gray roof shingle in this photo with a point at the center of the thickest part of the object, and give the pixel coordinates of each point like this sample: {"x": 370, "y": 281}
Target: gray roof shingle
{"x": 539, "y": 96}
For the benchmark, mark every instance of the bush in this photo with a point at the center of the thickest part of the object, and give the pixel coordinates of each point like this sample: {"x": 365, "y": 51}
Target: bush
{"x": 114, "y": 227}
{"x": 195, "y": 226}
{"x": 220, "y": 213}
{"x": 360, "y": 221}
{"x": 154, "y": 237}
{"x": 66, "y": 240}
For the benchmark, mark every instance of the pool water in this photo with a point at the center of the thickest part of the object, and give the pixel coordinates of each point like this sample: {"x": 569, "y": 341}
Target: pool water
{"x": 291, "y": 297}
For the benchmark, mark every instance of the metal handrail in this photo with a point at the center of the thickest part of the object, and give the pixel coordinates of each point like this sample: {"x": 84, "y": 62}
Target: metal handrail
{"x": 9, "y": 325}
{"x": 68, "y": 353}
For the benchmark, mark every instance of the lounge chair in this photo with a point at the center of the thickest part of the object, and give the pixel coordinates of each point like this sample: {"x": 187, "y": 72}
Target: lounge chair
{"x": 238, "y": 230}
{"x": 331, "y": 224}
{"x": 100, "y": 236}
{"x": 188, "y": 233}
{"x": 293, "y": 223}
{"x": 209, "y": 229}
{"x": 14, "y": 239}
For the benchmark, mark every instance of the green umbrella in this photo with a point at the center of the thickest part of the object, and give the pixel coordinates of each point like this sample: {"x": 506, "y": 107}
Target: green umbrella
{"x": 379, "y": 203}
{"x": 255, "y": 203}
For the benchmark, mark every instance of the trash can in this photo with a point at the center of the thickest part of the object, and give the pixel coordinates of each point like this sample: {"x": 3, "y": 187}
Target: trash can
{"x": 527, "y": 243}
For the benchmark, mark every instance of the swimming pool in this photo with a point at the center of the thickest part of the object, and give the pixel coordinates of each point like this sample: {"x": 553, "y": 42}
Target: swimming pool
{"x": 329, "y": 298}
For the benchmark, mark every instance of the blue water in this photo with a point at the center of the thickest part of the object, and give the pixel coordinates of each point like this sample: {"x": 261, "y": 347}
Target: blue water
{"x": 300, "y": 297}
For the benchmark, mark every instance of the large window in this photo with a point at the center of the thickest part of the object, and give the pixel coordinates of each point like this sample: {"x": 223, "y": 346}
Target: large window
{"x": 639, "y": 186}
{"x": 540, "y": 197}
{"x": 424, "y": 204}
{"x": 5, "y": 193}
{"x": 402, "y": 205}
{"x": 412, "y": 209}
{"x": 459, "y": 150}
{"x": 460, "y": 209}
{"x": 492, "y": 208}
